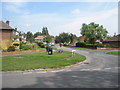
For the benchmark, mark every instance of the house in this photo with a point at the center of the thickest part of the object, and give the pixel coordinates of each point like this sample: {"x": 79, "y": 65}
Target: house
{"x": 82, "y": 38}
{"x": 112, "y": 41}
{"x": 39, "y": 38}
{"x": 6, "y": 31}
{"x": 7, "y": 35}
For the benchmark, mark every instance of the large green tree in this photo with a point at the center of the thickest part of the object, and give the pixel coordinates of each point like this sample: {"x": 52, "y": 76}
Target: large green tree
{"x": 29, "y": 37}
{"x": 47, "y": 39}
{"x": 65, "y": 37}
{"x": 37, "y": 34}
{"x": 72, "y": 37}
{"x": 93, "y": 32}
{"x": 45, "y": 31}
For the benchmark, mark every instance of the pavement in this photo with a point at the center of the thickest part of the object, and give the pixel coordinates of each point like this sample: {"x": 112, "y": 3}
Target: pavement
{"x": 100, "y": 70}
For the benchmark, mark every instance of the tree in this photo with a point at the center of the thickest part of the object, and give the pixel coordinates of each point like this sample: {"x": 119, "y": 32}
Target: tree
{"x": 45, "y": 31}
{"x": 37, "y": 34}
{"x": 29, "y": 37}
{"x": 72, "y": 37}
{"x": 93, "y": 32}
{"x": 15, "y": 37}
{"x": 47, "y": 39}
{"x": 62, "y": 38}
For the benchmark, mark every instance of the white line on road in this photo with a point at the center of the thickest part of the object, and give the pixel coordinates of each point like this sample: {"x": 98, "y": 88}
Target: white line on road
{"x": 85, "y": 70}
{"x": 97, "y": 69}
{"x": 107, "y": 68}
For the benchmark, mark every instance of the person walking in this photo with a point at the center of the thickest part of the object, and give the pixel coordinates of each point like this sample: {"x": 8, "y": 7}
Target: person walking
{"x": 60, "y": 44}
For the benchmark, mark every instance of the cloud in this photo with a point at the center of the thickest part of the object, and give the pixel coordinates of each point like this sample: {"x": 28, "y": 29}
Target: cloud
{"x": 57, "y": 24}
{"x": 15, "y": 7}
{"x": 76, "y": 11}
{"x": 71, "y": 22}
{"x": 106, "y": 18}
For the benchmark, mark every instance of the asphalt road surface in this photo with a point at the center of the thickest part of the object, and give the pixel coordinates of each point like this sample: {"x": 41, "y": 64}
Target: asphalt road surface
{"x": 100, "y": 70}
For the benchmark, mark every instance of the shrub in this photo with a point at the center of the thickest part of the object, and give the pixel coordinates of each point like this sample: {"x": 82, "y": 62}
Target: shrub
{"x": 42, "y": 46}
{"x": 11, "y": 48}
{"x": 16, "y": 44}
{"x": 39, "y": 44}
{"x": 80, "y": 44}
{"x": 26, "y": 47}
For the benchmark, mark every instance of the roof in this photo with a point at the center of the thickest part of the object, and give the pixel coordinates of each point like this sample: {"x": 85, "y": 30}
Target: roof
{"x": 39, "y": 37}
{"x": 114, "y": 38}
{"x": 5, "y": 26}
{"x": 82, "y": 38}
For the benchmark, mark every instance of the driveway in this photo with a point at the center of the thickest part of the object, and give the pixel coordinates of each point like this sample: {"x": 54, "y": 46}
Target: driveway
{"x": 100, "y": 70}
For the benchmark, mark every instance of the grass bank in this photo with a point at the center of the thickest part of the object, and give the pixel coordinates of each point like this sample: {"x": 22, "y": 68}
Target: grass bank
{"x": 114, "y": 53}
{"x": 39, "y": 60}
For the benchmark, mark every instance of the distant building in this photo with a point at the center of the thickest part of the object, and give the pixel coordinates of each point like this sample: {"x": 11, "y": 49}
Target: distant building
{"x": 112, "y": 41}
{"x": 82, "y": 38}
{"x": 39, "y": 38}
{"x": 53, "y": 41}
{"x": 6, "y": 31}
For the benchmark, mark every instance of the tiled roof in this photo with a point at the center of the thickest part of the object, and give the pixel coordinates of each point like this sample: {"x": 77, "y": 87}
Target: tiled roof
{"x": 5, "y": 26}
{"x": 114, "y": 38}
{"x": 39, "y": 37}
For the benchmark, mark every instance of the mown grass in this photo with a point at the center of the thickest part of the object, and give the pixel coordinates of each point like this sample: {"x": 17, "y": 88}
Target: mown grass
{"x": 114, "y": 53}
{"x": 39, "y": 60}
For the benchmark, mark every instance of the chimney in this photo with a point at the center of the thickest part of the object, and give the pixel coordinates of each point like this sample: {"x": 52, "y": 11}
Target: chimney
{"x": 8, "y": 22}
{"x": 15, "y": 29}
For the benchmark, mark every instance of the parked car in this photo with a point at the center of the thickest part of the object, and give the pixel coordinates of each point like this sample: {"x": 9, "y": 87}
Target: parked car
{"x": 66, "y": 44}
{"x": 53, "y": 45}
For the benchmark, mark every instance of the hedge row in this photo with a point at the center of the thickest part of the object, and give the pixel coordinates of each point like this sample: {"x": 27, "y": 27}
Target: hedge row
{"x": 84, "y": 45}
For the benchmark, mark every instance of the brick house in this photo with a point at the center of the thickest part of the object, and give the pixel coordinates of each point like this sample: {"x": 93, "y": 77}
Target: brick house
{"x": 39, "y": 38}
{"x": 6, "y": 31}
{"x": 112, "y": 41}
{"x": 82, "y": 38}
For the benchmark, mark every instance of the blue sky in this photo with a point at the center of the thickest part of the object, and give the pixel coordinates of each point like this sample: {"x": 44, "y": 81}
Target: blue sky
{"x": 60, "y": 16}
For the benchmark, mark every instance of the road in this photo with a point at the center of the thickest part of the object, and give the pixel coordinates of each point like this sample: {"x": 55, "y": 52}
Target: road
{"x": 100, "y": 70}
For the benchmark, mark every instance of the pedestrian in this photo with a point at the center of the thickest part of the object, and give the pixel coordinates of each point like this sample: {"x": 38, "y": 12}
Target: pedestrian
{"x": 60, "y": 44}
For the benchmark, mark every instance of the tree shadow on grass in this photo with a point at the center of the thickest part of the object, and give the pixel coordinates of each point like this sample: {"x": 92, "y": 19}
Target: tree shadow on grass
{"x": 77, "y": 79}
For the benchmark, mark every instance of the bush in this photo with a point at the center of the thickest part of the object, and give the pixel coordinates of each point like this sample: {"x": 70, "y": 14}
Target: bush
{"x": 27, "y": 47}
{"x": 80, "y": 44}
{"x": 16, "y": 44}
{"x": 92, "y": 46}
{"x": 39, "y": 44}
{"x": 11, "y": 48}
{"x": 42, "y": 46}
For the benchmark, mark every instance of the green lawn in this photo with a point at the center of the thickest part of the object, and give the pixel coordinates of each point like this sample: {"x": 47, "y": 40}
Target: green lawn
{"x": 39, "y": 60}
{"x": 114, "y": 53}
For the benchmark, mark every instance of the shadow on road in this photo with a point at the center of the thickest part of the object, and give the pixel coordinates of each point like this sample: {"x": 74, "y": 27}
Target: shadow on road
{"x": 77, "y": 79}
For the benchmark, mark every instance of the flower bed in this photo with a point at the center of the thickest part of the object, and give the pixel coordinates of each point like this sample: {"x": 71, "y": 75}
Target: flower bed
{"x": 22, "y": 52}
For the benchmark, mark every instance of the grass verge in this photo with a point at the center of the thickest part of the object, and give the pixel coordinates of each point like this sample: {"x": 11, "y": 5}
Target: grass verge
{"x": 39, "y": 60}
{"x": 114, "y": 53}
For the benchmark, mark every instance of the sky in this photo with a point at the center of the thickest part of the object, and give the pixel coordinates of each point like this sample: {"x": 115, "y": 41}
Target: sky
{"x": 60, "y": 17}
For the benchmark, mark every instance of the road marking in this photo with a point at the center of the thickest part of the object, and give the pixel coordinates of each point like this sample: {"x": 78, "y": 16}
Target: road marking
{"x": 74, "y": 76}
{"x": 97, "y": 69}
{"x": 85, "y": 70}
{"x": 107, "y": 68}
{"x": 54, "y": 71}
